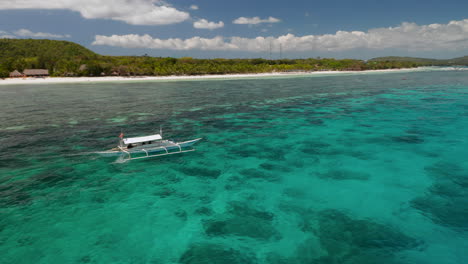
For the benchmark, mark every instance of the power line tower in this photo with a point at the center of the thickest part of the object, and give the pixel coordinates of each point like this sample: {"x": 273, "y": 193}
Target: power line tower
{"x": 270, "y": 50}
{"x": 281, "y": 51}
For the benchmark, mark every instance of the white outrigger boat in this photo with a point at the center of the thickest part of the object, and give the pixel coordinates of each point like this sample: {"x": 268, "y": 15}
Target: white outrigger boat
{"x": 147, "y": 147}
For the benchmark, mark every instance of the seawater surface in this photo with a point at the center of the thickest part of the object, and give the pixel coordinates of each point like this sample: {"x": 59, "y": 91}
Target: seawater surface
{"x": 333, "y": 169}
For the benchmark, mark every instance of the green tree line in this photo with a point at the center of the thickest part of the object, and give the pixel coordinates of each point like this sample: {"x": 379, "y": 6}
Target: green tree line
{"x": 63, "y": 58}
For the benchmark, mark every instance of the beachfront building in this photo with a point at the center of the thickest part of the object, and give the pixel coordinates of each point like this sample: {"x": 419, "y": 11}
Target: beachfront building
{"x": 16, "y": 74}
{"x": 36, "y": 72}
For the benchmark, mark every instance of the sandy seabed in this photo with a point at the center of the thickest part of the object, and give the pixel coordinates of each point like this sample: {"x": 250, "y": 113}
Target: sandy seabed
{"x": 48, "y": 80}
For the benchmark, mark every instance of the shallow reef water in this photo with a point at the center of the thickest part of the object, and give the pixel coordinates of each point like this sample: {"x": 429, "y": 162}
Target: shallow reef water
{"x": 345, "y": 169}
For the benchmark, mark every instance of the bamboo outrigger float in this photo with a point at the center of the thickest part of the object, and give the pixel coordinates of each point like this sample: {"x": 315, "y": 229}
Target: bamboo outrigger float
{"x": 148, "y": 147}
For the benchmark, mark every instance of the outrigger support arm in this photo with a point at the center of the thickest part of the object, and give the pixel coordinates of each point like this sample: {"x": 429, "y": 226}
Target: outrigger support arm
{"x": 164, "y": 154}
{"x": 155, "y": 155}
{"x": 128, "y": 153}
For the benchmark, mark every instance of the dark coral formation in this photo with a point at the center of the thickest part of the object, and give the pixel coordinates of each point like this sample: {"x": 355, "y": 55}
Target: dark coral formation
{"x": 337, "y": 228}
{"x": 203, "y": 211}
{"x": 261, "y": 151}
{"x": 445, "y": 202}
{"x": 240, "y": 209}
{"x": 258, "y": 174}
{"x": 244, "y": 221}
{"x": 347, "y": 240}
{"x": 164, "y": 192}
{"x": 336, "y": 238}
{"x": 201, "y": 172}
{"x": 317, "y": 148}
{"x": 410, "y": 139}
{"x": 14, "y": 195}
{"x": 344, "y": 175}
{"x": 294, "y": 193}
{"x": 242, "y": 226}
{"x": 210, "y": 253}
{"x": 274, "y": 167}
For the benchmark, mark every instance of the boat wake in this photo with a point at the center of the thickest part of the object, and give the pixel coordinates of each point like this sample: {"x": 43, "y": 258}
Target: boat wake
{"x": 81, "y": 154}
{"x": 121, "y": 159}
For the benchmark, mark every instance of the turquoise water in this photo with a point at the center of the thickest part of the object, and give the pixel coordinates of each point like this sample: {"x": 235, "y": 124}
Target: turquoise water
{"x": 333, "y": 169}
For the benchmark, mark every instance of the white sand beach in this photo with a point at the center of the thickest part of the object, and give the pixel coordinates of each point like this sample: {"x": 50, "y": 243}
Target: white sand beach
{"x": 51, "y": 80}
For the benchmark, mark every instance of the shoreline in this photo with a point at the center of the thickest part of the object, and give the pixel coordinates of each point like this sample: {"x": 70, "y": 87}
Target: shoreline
{"x": 58, "y": 80}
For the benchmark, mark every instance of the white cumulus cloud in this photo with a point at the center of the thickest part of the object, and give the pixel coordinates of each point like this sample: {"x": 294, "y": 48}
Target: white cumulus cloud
{"x": 146, "y": 41}
{"x": 194, "y": 7}
{"x": 407, "y": 36}
{"x": 135, "y": 12}
{"x": 205, "y": 24}
{"x": 4, "y": 34}
{"x": 28, "y": 33}
{"x": 254, "y": 20}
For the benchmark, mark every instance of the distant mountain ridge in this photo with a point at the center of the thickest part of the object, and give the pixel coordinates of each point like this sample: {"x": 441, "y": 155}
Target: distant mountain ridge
{"x": 425, "y": 61}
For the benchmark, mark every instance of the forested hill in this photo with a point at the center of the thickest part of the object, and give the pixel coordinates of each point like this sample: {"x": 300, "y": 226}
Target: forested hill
{"x": 425, "y": 62}
{"x": 32, "y": 48}
{"x": 459, "y": 61}
{"x": 59, "y": 57}
{"x": 63, "y": 58}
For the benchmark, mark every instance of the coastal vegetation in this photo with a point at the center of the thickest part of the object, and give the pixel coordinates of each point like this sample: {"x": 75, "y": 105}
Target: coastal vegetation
{"x": 64, "y": 58}
{"x": 461, "y": 61}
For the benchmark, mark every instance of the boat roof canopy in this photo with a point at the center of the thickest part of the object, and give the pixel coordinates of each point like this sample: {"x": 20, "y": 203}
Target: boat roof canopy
{"x": 141, "y": 139}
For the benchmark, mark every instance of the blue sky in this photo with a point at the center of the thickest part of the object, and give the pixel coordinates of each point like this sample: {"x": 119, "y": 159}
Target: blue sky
{"x": 246, "y": 29}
